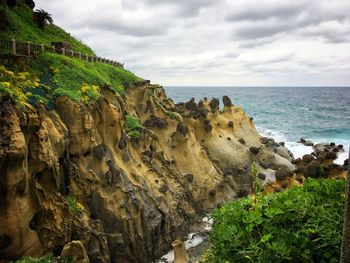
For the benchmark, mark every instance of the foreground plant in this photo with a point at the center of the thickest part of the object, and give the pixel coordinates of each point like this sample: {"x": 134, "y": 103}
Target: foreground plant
{"x": 303, "y": 224}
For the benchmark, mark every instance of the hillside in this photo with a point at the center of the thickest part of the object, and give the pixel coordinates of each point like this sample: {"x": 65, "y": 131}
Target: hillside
{"x": 22, "y": 27}
{"x": 99, "y": 165}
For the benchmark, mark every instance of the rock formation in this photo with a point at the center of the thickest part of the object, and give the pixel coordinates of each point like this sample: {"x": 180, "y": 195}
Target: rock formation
{"x": 133, "y": 196}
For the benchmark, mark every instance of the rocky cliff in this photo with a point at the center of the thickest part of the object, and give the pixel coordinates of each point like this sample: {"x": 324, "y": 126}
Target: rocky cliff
{"x": 136, "y": 193}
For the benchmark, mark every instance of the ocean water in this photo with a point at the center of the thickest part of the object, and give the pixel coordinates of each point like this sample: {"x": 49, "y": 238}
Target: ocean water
{"x": 319, "y": 114}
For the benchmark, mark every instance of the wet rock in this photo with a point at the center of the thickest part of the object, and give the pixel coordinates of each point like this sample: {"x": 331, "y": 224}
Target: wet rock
{"x": 332, "y": 144}
{"x": 76, "y": 251}
{"x": 182, "y": 128}
{"x": 207, "y": 125}
{"x": 99, "y": 151}
{"x": 214, "y": 105}
{"x": 230, "y": 124}
{"x": 281, "y": 143}
{"x": 227, "y": 101}
{"x": 305, "y": 142}
{"x": 254, "y": 150}
{"x": 242, "y": 141}
{"x": 155, "y": 122}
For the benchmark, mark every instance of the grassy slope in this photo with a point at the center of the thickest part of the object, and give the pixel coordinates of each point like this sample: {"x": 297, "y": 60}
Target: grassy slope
{"x": 58, "y": 75}
{"x": 23, "y": 28}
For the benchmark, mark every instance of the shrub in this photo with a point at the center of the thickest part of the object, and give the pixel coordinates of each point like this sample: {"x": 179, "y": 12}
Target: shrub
{"x": 74, "y": 205}
{"x": 18, "y": 86}
{"x": 132, "y": 126}
{"x": 303, "y": 224}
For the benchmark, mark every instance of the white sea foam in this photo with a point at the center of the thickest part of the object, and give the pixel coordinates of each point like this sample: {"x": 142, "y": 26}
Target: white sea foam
{"x": 299, "y": 149}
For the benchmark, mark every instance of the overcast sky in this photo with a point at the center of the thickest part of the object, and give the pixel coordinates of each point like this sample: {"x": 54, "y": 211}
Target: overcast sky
{"x": 216, "y": 42}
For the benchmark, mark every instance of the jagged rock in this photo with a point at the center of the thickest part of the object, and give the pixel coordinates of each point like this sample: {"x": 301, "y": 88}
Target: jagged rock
{"x": 182, "y": 128}
{"x": 155, "y": 122}
{"x": 227, "y": 101}
{"x": 214, "y": 105}
{"x": 230, "y": 124}
{"x": 191, "y": 105}
{"x": 76, "y": 251}
{"x": 241, "y": 140}
{"x": 203, "y": 112}
{"x": 207, "y": 125}
{"x": 254, "y": 150}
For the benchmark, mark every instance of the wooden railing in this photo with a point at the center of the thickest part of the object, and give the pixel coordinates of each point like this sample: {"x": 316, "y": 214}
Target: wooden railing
{"x": 18, "y": 48}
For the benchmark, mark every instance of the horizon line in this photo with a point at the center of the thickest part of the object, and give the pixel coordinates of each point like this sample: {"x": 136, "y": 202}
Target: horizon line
{"x": 252, "y": 86}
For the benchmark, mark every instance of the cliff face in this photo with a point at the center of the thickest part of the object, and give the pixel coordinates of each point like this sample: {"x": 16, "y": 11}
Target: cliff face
{"x": 138, "y": 194}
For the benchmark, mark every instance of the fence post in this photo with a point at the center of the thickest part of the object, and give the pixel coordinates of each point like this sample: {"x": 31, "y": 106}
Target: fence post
{"x": 63, "y": 51}
{"x": 53, "y": 49}
{"x": 87, "y": 57}
{"x": 13, "y": 46}
{"x": 79, "y": 54}
{"x": 28, "y": 48}
{"x": 42, "y": 48}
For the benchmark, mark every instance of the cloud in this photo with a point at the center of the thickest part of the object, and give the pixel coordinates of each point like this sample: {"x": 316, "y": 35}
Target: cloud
{"x": 223, "y": 42}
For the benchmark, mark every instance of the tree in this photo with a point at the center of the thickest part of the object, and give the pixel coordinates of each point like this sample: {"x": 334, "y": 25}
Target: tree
{"x": 42, "y": 18}
{"x": 345, "y": 248}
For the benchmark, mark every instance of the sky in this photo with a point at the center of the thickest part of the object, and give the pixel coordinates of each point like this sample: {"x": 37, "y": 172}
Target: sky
{"x": 216, "y": 42}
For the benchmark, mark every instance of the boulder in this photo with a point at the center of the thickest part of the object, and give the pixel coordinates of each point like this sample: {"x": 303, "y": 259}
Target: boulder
{"x": 331, "y": 155}
{"x": 312, "y": 169}
{"x": 307, "y": 158}
{"x": 282, "y": 173}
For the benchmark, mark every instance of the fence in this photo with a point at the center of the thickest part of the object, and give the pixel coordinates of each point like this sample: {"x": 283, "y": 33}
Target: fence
{"x": 17, "y": 48}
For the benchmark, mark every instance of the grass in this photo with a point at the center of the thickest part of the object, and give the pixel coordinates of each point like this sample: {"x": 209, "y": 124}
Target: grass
{"x": 78, "y": 79}
{"x": 132, "y": 126}
{"x": 23, "y": 28}
{"x": 303, "y": 224}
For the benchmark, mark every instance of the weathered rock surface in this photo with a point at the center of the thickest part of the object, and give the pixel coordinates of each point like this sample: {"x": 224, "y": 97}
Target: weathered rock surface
{"x": 138, "y": 195}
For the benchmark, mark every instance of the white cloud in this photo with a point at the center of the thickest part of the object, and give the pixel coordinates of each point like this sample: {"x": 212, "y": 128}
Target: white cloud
{"x": 205, "y": 42}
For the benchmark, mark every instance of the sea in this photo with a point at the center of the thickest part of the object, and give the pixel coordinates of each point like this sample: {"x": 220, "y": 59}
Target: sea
{"x": 318, "y": 114}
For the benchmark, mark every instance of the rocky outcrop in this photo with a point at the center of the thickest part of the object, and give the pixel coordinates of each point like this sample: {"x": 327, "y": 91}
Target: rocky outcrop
{"x": 133, "y": 197}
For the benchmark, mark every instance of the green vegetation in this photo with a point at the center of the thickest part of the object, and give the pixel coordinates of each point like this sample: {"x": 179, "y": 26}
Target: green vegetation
{"x": 132, "y": 126}
{"x": 79, "y": 79}
{"x": 18, "y": 86}
{"x": 45, "y": 259}
{"x": 42, "y": 18}
{"x": 303, "y": 224}
{"x": 20, "y": 25}
{"x": 74, "y": 205}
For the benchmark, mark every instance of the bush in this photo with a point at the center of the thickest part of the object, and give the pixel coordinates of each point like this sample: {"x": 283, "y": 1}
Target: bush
{"x": 303, "y": 224}
{"x": 74, "y": 205}
{"x": 132, "y": 126}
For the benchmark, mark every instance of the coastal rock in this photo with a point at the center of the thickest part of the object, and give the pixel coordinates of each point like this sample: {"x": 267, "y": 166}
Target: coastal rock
{"x": 226, "y": 101}
{"x": 182, "y": 128}
{"x": 214, "y": 105}
{"x": 76, "y": 251}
